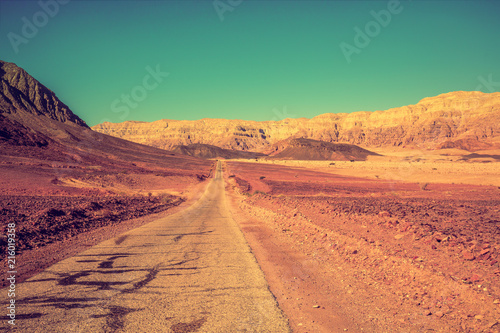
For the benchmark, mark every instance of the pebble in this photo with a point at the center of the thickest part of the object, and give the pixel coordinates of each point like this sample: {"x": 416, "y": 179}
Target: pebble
{"x": 468, "y": 255}
{"x": 484, "y": 252}
{"x": 316, "y": 306}
{"x": 479, "y": 317}
{"x": 475, "y": 278}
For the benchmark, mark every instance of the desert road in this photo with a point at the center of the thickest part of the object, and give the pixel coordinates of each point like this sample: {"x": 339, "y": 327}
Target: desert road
{"x": 189, "y": 272}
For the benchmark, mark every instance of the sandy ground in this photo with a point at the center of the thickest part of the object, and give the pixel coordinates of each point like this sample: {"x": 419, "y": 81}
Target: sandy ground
{"x": 444, "y": 166}
{"x": 374, "y": 255}
{"x": 407, "y": 242}
{"x": 188, "y": 272}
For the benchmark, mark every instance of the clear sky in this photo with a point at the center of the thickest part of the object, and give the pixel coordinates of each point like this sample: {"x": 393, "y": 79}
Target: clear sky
{"x": 250, "y": 59}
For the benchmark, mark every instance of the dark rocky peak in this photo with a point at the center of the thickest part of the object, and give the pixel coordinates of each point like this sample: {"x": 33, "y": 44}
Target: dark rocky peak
{"x": 19, "y": 91}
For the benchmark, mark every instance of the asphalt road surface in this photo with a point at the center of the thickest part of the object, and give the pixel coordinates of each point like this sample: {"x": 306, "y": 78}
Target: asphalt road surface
{"x": 190, "y": 272}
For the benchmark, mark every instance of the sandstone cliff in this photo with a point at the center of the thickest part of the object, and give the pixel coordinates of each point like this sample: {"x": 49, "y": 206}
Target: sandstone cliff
{"x": 474, "y": 116}
{"x": 208, "y": 151}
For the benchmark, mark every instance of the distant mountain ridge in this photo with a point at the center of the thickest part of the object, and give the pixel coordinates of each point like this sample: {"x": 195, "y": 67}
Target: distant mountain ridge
{"x": 38, "y": 129}
{"x": 207, "y": 151}
{"x": 431, "y": 123}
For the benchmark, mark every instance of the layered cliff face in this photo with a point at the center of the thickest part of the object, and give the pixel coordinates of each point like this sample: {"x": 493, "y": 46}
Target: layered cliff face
{"x": 208, "y": 151}
{"x": 431, "y": 122}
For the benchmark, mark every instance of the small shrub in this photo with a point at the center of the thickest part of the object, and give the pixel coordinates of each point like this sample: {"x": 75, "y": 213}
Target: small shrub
{"x": 423, "y": 186}
{"x": 53, "y": 212}
{"x": 262, "y": 177}
{"x": 56, "y": 181}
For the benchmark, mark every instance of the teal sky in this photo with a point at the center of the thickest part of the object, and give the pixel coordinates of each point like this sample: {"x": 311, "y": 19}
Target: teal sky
{"x": 253, "y": 60}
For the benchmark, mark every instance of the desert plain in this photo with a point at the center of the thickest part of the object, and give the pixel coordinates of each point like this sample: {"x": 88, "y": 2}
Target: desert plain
{"x": 404, "y": 242}
{"x": 364, "y": 222}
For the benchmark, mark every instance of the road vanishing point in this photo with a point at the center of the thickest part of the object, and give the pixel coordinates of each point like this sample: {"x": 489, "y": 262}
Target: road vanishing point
{"x": 191, "y": 271}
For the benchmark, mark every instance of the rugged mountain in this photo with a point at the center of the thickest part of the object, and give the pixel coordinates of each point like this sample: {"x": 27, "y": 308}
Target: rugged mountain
{"x": 209, "y": 151}
{"x": 432, "y": 121}
{"x": 30, "y": 113}
{"x": 20, "y": 92}
{"x": 307, "y": 149}
{"x": 35, "y": 126}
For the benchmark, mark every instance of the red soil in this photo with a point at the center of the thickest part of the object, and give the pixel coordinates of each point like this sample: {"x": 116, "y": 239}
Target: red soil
{"x": 384, "y": 256}
{"x": 60, "y": 207}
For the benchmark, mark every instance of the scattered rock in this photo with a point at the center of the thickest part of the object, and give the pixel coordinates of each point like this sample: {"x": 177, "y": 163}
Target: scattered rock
{"x": 398, "y": 237}
{"x": 439, "y": 314}
{"x": 384, "y": 214}
{"x": 479, "y": 317}
{"x": 316, "y": 306}
{"x": 467, "y": 255}
{"x": 475, "y": 278}
{"x": 484, "y": 252}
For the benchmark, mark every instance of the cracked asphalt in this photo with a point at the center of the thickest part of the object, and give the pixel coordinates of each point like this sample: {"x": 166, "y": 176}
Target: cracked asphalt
{"x": 189, "y": 272}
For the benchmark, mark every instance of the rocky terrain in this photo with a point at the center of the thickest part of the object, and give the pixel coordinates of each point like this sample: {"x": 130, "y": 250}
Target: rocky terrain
{"x": 64, "y": 183}
{"x": 42, "y": 220}
{"x": 404, "y": 257}
{"x": 469, "y": 120}
{"x": 395, "y": 240}
{"x": 20, "y": 93}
